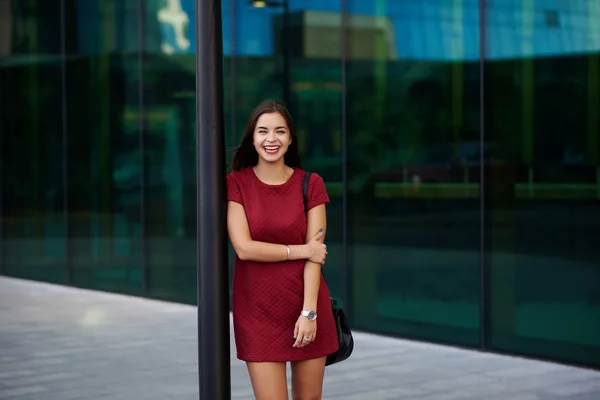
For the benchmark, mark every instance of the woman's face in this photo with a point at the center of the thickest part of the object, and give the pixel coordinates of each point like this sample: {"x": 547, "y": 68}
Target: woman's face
{"x": 271, "y": 137}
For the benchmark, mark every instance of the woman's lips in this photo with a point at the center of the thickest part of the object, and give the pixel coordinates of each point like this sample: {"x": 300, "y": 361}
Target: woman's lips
{"x": 271, "y": 149}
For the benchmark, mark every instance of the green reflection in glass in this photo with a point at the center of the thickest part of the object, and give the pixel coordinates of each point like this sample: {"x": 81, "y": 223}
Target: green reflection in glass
{"x": 33, "y": 237}
{"x": 413, "y": 165}
{"x": 169, "y": 155}
{"x": 104, "y": 193}
{"x": 543, "y": 117}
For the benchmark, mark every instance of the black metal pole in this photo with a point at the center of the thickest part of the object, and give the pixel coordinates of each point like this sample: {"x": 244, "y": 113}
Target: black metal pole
{"x": 3, "y": 167}
{"x": 213, "y": 288}
{"x": 286, "y": 55}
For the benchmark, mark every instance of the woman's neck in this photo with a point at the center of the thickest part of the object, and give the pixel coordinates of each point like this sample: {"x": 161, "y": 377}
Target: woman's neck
{"x": 273, "y": 174}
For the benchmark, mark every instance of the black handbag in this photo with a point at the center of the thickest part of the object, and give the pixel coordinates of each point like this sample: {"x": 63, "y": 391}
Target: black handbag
{"x": 345, "y": 339}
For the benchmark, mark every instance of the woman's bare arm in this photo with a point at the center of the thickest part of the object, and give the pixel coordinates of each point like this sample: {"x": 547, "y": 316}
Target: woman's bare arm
{"x": 317, "y": 219}
{"x": 252, "y": 250}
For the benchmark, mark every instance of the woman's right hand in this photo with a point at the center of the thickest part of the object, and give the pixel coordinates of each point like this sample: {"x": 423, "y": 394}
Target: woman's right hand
{"x": 317, "y": 251}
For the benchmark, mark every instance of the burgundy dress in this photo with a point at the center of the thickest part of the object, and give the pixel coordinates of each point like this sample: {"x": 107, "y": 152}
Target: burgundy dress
{"x": 268, "y": 296}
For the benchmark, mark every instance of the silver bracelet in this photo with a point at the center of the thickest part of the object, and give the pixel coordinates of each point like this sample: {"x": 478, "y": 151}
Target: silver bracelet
{"x": 288, "y": 251}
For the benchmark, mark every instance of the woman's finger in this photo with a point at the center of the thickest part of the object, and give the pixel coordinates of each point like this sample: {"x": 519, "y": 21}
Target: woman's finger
{"x": 306, "y": 338}
{"x": 299, "y": 339}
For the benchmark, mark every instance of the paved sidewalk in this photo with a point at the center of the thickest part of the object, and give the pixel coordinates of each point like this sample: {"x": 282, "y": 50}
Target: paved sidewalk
{"x": 59, "y": 343}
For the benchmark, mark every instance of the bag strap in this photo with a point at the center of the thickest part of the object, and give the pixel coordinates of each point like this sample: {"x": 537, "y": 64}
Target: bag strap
{"x": 305, "y": 190}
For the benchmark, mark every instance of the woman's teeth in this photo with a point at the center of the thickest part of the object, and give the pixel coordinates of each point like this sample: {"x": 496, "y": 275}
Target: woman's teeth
{"x": 271, "y": 149}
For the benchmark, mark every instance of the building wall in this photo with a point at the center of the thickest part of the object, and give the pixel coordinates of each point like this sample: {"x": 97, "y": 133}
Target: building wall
{"x": 459, "y": 145}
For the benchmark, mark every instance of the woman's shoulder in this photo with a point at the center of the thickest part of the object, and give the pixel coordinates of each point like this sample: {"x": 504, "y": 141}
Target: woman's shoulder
{"x": 239, "y": 176}
{"x": 312, "y": 179}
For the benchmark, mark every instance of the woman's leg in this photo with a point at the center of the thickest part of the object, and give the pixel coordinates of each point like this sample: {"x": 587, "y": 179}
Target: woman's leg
{"x": 307, "y": 379}
{"x": 269, "y": 381}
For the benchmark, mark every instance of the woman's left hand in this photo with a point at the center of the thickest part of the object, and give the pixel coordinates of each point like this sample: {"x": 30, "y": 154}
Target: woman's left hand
{"x": 305, "y": 332}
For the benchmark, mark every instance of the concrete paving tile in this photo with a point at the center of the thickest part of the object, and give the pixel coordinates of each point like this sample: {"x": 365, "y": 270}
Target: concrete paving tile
{"x": 113, "y": 347}
{"x": 588, "y": 387}
{"x": 520, "y": 372}
{"x": 375, "y": 394}
{"x": 593, "y": 396}
{"x": 77, "y": 394}
{"x": 21, "y": 391}
{"x": 464, "y": 382}
{"x": 445, "y": 395}
{"x": 25, "y": 363}
{"x": 511, "y": 396}
{"x": 400, "y": 393}
{"x": 16, "y": 373}
{"x": 38, "y": 379}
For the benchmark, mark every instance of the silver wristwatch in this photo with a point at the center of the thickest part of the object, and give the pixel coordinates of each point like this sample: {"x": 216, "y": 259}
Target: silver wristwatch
{"x": 311, "y": 315}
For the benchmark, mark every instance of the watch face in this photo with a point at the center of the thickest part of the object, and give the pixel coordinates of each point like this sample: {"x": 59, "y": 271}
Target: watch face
{"x": 311, "y": 315}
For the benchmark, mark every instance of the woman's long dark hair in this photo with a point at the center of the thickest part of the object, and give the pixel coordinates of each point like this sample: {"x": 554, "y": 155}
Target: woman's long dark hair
{"x": 246, "y": 156}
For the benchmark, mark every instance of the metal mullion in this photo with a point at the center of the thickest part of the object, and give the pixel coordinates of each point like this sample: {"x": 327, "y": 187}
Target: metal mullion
{"x": 483, "y": 195}
{"x": 65, "y": 140}
{"x": 141, "y": 13}
{"x": 346, "y": 268}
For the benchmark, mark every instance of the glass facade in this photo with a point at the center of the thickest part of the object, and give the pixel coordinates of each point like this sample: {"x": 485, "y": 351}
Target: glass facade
{"x": 459, "y": 140}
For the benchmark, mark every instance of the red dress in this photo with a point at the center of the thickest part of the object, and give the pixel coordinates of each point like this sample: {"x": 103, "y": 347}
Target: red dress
{"x": 268, "y": 297}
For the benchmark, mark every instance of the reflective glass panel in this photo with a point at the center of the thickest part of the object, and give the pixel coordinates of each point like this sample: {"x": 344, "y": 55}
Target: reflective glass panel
{"x": 542, "y": 125}
{"x": 32, "y": 141}
{"x": 103, "y": 158}
{"x": 414, "y": 162}
{"x": 168, "y": 147}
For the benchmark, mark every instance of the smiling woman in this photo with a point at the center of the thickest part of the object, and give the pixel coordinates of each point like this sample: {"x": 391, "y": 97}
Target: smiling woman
{"x": 270, "y": 123}
{"x": 278, "y": 289}
{"x": 271, "y": 137}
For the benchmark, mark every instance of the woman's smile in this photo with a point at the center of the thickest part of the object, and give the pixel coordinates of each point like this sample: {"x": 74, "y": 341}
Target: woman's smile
{"x": 271, "y": 149}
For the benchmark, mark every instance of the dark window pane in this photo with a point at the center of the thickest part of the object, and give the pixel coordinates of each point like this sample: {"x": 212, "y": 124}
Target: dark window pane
{"x": 542, "y": 125}
{"x": 169, "y": 132}
{"x": 104, "y": 161}
{"x": 33, "y": 236}
{"x": 414, "y": 160}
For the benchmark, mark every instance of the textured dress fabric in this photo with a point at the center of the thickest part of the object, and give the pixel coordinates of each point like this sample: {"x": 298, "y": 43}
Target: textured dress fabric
{"x": 267, "y": 297}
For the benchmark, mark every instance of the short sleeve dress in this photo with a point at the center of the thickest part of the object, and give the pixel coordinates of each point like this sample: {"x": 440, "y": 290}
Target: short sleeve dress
{"x": 267, "y": 297}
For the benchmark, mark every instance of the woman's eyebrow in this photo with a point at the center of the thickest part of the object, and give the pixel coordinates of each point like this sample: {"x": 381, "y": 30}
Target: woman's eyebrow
{"x": 264, "y": 127}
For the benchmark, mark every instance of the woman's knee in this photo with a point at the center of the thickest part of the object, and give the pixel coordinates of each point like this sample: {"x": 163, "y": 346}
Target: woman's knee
{"x": 306, "y": 394}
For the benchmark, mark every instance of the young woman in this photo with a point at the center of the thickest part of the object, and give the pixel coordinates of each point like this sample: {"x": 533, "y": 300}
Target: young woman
{"x": 279, "y": 294}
